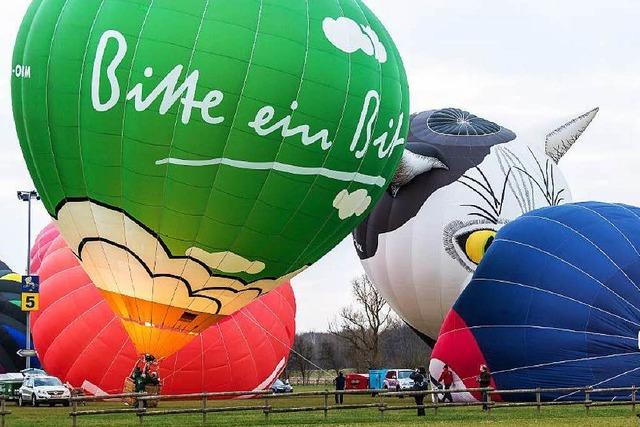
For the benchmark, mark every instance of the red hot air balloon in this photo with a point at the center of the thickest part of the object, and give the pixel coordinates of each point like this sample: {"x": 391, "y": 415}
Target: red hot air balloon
{"x": 80, "y": 339}
{"x": 42, "y": 243}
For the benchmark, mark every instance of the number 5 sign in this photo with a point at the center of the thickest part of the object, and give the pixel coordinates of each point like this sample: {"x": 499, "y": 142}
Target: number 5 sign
{"x": 30, "y": 296}
{"x": 30, "y": 301}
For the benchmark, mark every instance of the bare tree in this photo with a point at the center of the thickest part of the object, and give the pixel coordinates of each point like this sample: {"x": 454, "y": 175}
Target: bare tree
{"x": 401, "y": 346}
{"x": 301, "y": 355}
{"x": 332, "y": 355}
{"x": 360, "y": 326}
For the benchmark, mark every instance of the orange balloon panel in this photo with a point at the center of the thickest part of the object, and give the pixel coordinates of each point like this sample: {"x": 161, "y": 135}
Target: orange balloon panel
{"x": 176, "y": 329}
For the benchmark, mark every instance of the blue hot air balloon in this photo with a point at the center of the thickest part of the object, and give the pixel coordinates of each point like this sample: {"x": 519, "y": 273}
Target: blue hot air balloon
{"x": 12, "y": 322}
{"x": 554, "y": 303}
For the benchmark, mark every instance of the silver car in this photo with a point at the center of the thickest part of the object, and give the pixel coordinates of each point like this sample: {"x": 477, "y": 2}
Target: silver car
{"x": 43, "y": 389}
{"x": 281, "y": 387}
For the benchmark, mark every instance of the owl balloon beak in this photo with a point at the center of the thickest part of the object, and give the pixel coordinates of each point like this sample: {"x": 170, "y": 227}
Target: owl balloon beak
{"x": 410, "y": 167}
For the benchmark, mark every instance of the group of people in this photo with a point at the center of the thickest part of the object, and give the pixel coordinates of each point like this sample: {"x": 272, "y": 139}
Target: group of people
{"x": 141, "y": 379}
{"x": 145, "y": 374}
{"x": 420, "y": 383}
{"x": 446, "y": 380}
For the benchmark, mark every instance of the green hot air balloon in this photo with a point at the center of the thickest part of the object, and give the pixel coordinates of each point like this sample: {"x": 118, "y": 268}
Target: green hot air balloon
{"x": 197, "y": 153}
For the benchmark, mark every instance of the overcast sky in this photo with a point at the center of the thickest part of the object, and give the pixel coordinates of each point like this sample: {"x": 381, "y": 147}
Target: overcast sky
{"x": 527, "y": 65}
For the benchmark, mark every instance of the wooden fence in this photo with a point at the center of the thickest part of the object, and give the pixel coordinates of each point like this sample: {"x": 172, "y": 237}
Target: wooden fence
{"x": 262, "y": 401}
{"x": 3, "y": 411}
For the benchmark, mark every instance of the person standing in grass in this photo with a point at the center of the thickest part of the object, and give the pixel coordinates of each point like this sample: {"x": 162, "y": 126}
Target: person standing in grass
{"x": 446, "y": 379}
{"x": 484, "y": 381}
{"x": 138, "y": 380}
{"x": 419, "y": 384}
{"x": 340, "y": 384}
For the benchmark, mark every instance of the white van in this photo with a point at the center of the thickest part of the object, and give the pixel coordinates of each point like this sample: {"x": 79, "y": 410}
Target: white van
{"x": 398, "y": 379}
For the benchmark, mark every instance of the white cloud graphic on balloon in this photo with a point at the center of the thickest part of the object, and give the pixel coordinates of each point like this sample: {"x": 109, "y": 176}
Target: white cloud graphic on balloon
{"x": 351, "y": 204}
{"x": 123, "y": 257}
{"x": 349, "y": 36}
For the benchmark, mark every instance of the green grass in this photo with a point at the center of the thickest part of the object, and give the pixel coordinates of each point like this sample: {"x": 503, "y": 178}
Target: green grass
{"x": 520, "y": 417}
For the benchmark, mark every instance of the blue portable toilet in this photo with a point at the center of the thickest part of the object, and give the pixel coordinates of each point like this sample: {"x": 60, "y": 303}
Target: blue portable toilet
{"x": 376, "y": 378}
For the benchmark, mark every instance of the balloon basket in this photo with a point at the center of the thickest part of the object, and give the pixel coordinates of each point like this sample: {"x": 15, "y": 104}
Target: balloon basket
{"x": 145, "y": 371}
{"x": 130, "y": 387}
{"x": 153, "y": 390}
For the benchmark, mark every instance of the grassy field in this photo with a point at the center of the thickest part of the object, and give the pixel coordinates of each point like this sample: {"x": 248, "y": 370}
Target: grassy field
{"x": 521, "y": 417}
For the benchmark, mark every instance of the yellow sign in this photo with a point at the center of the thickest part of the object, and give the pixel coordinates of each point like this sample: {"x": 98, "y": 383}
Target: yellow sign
{"x": 30, "y": 301}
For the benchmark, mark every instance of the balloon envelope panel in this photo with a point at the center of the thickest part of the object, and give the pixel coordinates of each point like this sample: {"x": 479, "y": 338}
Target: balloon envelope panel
{"x": 43, "y": 240}
{"x": 197, "y": 154}
{"x": 81, "y": 340}
{"x": 555, "y": 303}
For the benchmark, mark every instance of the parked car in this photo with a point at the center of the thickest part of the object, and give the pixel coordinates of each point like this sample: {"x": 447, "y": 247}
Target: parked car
{"x": 391, "y": 379}
{"x": 404, "y": 382}
{"x": 43, "y": 389}
{"x": 281, "y": 387}
{"x": 10, "y": 383}
{"x": 357, "y": 381}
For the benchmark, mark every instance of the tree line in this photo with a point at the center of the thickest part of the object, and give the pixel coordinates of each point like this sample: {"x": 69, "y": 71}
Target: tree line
{"x": 365, "y": 335}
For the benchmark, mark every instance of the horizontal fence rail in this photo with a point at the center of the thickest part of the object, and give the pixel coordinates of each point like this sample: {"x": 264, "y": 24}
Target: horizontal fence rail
{"x": 264, "y": 401}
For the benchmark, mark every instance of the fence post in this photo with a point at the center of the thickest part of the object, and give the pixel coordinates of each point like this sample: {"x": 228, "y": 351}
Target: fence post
{"x": 382, "y": 408}
{"x": 436, "y": 400}
{"x": 538, "y": 398}
{"x": 267, "y": 410}
{"x": 3, "y": 409}
{"x": 140, "y": 410}
{"x": 204, "y": 409}
{"x": 633, "y": 399}
{"x": 587, "y": 398}
{"x": 74, "y": 408}
{"x": 489, "y": 402}
{"x": 326, "y": 403}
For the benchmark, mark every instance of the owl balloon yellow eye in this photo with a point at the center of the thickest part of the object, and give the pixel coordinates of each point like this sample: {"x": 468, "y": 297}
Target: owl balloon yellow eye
{"x": 476, "y": 244}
